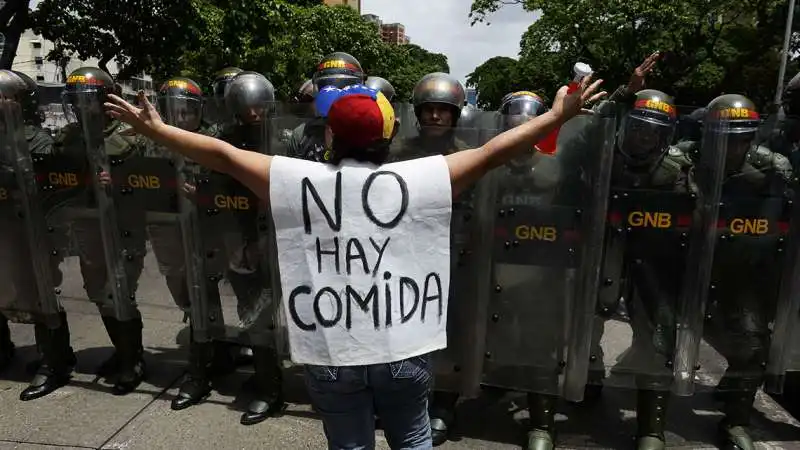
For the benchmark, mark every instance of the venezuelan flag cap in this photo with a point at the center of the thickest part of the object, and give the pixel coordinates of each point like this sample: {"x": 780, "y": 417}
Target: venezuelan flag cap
{"x": 358, "y": 116}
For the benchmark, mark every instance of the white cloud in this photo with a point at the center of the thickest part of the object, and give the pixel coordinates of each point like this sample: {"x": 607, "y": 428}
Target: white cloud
{"x": 443, "y": 26}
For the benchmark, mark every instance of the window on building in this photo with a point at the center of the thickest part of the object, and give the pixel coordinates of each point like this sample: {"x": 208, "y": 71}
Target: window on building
{"x": 39, "y": 77}
{"x": 38, "y": 60}
{"x": 36, "y": 44}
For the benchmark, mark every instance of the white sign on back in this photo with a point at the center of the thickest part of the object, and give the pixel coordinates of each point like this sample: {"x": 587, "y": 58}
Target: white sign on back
{"x": 364, "y": 255}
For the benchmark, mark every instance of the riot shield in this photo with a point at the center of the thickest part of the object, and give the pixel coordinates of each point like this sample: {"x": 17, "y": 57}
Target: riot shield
{"x": 752, "y": 299}
{"x": 30, "y": 271}
{"x": 545, "y": 220}
{"x": 648, "y": 270}
{"x": 229, "y": 227}
{"x": 457, "y": 369}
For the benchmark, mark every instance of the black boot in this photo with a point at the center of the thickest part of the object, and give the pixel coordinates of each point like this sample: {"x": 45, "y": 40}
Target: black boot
{"x": 443, "y": 416}
{"x": 110, "y": 367}
{"x": 130, "y": 355}
{"x": 268, "y": 383}
{"x": 58, "y": 360}
{"x": 6, "y": 346}
{"x": 197, "y": 384}
{"x": 542, "y": 432}
{"x": 733, "y": 433}
{"x": 651, "y": 417}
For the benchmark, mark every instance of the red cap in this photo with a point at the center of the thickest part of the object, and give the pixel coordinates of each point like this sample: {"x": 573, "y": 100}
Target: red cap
{"x": 359, "y": 121}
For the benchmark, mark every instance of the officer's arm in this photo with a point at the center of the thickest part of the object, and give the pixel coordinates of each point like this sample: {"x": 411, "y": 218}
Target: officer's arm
{"x": 468, "y": 166}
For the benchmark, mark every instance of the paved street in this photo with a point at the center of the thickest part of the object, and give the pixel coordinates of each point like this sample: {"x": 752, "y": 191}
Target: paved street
{"x": 86, "y": 415}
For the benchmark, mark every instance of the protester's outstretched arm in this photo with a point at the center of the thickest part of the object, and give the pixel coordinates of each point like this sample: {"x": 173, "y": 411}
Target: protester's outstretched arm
{"x": 250, "y": 168}
{"x": 469, "y": 166}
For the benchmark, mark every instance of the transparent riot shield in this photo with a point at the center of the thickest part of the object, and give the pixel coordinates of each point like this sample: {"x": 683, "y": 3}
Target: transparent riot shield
{"x": 783, "y": 137}
{"x": 230, "y": 227}
{"x": 545, "y": 218}
{"x": 752, "y": 299}
{"x": 648, "y": 268}
{"x": 457, "y": 368}
{"x": 146, "y": 193}
{"x": 104, "y": 144}
{"x": 30, "y": 270}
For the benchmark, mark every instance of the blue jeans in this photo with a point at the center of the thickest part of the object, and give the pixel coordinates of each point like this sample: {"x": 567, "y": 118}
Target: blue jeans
{"x": 349, "y": 398}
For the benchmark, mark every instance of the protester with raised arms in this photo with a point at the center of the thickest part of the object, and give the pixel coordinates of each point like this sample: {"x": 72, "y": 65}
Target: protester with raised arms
{"x": 364, "y": 251}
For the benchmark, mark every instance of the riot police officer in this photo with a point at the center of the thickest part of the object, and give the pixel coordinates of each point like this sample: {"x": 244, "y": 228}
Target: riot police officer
{"x": 250, "y": 98}
{"x": 216, "y": 114}
{"x": 86, "y": 90}
{"x": 437, "y": 101}
{"x": 181, "y": 104}
{"x": 381, "y": 85}
{"x": 18, "y": 270}
{"x": 748, "y": 265}
{"x": 648, "y": 170}
{"x": 784, "y": 138}
{"x": 527, "y": 359}
{"x": 338, "y": 70}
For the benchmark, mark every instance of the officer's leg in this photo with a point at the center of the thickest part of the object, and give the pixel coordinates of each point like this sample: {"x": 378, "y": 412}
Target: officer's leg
{"x": 255, "y": 311}
{"x": 651, "y": 310}
{"x": 6, "y": 345}
{"x": 443, "y": 414}
{"x": 542, "y": 408}
{"x": 127, "y": 363}
{"x": 197, "y": 384}
{"x": 58, "y": 360}
{"x": 744, "y": 335}
{"x": 167, "y": 244}
{"x": 597, "y": 368}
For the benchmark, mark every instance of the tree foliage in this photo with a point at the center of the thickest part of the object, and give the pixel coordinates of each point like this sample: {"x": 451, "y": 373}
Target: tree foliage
{"x": 14, "y": 20}
{"x": 709, "y": 47}
{"x": 283, "y": 39}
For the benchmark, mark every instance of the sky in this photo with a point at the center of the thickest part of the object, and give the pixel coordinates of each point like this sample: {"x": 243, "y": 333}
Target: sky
{"x": 443, "y": 26}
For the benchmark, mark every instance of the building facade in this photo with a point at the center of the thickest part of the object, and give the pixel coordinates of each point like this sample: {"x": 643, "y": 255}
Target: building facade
{"x": 394, "y": 33}
{"x": 355, "y": 4}
{"x": 30, "y": 60}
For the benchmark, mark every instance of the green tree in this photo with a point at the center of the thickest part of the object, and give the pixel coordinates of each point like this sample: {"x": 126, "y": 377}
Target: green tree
{"x": 494, "y": 79}
{"x": 14, "y": 20}
{"x": 283, "y": 39}
{"x": 139, "y": 34}
{"x": 709, "y": 47}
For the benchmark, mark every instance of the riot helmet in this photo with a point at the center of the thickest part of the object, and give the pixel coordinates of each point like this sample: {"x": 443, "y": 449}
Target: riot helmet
{"x": 21, "y": 88}
{"x": 85, "y": 92}
{"x": 381, "y": 85}
{"x": 216, "y": 111}
{"x": 180, "y": 101}
{"x": 249, "y": 98}
{"x": 734, "y": 118}
{"x": 439, "y": 88}
{"x": 338, "y": 69}
{"x": 519, "y": 107}
{"x": 647, "y": 130}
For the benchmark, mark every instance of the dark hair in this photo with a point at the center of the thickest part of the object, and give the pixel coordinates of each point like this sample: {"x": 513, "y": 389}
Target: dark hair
{"x": 377, "y": 153}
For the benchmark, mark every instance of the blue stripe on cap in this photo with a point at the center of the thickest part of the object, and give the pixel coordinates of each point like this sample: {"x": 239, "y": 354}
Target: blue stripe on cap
{"x": 329, "y": 94}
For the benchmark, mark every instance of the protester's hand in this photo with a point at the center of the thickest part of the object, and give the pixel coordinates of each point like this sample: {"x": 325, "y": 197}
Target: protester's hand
{"x": 141, "y": 119}
{"x": 567, "y": 105}
{"x": 636, "y": 82}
